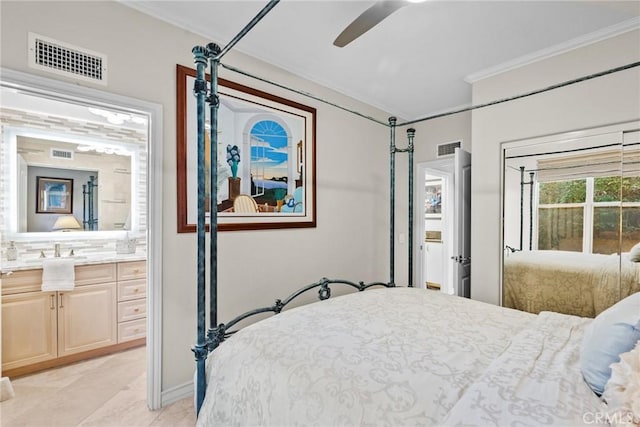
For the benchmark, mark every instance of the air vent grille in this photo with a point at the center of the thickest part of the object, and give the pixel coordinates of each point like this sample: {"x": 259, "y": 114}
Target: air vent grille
{"x": 57, "y": 153}
{"x": 448, "y": 149}
{"x": 62, "y": 58}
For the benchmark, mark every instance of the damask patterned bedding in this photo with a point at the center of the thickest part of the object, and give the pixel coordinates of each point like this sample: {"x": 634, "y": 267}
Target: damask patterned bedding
{"x": 398, "y": 357}
{"x": 567, "y": 282}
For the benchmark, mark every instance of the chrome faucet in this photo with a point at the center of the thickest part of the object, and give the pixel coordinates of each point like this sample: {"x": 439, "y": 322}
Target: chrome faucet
{"x": 56, "y": 250}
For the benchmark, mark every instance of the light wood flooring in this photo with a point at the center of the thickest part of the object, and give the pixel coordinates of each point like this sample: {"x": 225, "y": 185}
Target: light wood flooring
{"x": 106, "y": 391}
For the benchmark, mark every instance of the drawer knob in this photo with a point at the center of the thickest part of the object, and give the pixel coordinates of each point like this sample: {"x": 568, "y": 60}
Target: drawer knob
{"x": 136, "y": 290}
{"x": 137, "y": 270}
{"x": 136, "y": 310}
{"x": 136, "y": 330}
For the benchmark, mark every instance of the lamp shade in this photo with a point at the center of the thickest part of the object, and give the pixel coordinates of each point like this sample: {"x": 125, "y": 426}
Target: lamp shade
{"x": 66, "y": 223}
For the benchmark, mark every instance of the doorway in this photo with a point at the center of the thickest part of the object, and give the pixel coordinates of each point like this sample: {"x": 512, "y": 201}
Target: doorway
{"x": 141, "y": 223}
{"x": 435, "y": 230}
{"x": 444, "y": 239}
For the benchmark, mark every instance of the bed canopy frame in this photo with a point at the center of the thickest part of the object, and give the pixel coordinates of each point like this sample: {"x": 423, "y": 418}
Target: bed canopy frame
{"x": 531, "y": 184}
{"x": 211, "y": 55}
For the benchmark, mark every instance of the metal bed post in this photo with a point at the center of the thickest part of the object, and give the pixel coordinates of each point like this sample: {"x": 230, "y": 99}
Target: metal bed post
{"x": 84, "y": 208}
{"x": 530, "y": 210}
{"x": 207, "y": 340}
{"x": 522, "y": 184}
{"x": 411, "y": 132}
{"x": 521, "y": 205}
{"x": 392, "y": 200}
{"x": 213, "y": 50}
{"x": 392, "y": 195}
{"x": 89, "y": 221}
{"x": 200, "y": 349}
{"x": 92, "y": 215}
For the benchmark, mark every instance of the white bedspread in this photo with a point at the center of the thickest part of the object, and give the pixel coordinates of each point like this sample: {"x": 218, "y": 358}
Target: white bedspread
{"x": 396, "y": 357}
{"x": 536, "y": 381}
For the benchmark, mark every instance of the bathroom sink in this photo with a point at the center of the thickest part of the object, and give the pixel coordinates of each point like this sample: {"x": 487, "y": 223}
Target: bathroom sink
{"x": 38, "y": 261}
{"x": 30, "y": 261}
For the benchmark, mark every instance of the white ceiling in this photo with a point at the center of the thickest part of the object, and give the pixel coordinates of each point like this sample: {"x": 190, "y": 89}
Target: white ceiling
{"x": 412, "y": 64}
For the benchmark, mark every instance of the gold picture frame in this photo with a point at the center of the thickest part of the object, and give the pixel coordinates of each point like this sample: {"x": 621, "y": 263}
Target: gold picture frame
{"x": 54, "y": 195}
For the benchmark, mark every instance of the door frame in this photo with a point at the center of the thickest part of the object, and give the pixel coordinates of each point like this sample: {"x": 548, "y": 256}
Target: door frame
{"x": 442, "y": 168}
{"x": 74, "y": 93}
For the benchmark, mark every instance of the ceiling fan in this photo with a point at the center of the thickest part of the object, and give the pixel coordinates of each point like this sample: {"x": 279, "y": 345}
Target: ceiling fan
{"x": 369, "y": 19}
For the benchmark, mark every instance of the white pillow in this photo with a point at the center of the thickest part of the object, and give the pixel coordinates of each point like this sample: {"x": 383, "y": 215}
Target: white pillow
{"x": 613, "y": 332}
{"x": 622, "y": 392}
{"x": 634, "y": 253}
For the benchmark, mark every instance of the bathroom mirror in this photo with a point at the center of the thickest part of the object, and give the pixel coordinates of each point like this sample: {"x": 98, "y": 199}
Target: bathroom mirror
{"x": 69, "y": 167}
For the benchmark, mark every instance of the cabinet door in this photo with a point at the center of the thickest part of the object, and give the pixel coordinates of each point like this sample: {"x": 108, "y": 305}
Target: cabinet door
{"x": 87, "y": 318}
{"x": 29, "y": 328}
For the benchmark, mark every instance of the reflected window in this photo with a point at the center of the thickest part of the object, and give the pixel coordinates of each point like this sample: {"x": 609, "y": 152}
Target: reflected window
{"x": 585, "y": 215}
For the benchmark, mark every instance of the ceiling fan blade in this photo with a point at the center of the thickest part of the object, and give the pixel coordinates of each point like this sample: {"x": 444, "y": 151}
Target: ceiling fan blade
{"x": 367, "y": 20}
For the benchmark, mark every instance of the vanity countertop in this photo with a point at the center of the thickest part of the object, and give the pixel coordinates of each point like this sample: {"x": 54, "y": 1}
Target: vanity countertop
{"x": 36, "y": 263}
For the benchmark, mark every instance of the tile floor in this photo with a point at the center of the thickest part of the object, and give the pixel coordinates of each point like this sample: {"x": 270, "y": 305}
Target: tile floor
{"x": 106, "y": 391}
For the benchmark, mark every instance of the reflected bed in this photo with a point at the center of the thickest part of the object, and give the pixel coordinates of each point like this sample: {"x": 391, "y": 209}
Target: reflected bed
{"x": 574, "y": 283}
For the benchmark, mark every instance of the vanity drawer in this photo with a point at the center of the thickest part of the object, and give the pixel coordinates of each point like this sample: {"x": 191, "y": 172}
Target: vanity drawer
{"x": 95, "y": 273}
{"x": 132, "y": 270}
{"x": 132, "y": 330}
{"x": 132, "y": 289}
{"x": 21, "y": 281}
{"x": 131, "y": 310}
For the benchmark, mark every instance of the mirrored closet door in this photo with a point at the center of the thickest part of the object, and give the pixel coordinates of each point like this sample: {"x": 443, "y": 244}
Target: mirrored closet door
{"x": 571, "y": 215}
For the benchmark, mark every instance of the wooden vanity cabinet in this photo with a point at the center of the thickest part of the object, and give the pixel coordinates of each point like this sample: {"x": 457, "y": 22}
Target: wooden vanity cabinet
{"x": 132, "y": 300}
{"x": 29, "y": 329}
{"x": 86, "y": 318}
{"x": 45, "y": 329}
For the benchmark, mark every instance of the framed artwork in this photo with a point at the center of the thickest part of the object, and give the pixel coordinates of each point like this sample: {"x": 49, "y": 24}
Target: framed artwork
{"x": 54, "y": 195}
{"x": 265, "y": 150}
{"x": 433, "y": 199}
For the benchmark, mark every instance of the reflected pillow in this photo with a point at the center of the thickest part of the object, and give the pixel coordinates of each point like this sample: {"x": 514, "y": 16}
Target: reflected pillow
{"x": 613, "y": 332}
{"x": 634, "y": 254}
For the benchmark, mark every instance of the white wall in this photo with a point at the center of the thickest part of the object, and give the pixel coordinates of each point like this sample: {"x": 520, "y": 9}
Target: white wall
{"x": 606, "y": 100}
{"x": 255, "y": 267}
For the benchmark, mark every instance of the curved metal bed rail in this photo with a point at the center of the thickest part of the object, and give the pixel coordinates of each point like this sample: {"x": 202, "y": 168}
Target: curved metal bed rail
{"x": 215, "y": 336}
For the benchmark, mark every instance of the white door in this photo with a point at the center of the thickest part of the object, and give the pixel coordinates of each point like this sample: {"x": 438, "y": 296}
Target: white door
{"x": 462, "y": 224}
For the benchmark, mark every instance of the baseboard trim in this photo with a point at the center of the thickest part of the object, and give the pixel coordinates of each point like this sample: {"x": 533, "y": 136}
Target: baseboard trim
{"x": 176, "y": 393}
{"x": 72, "y": 358}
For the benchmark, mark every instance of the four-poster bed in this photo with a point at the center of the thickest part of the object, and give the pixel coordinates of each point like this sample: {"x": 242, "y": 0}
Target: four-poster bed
{"x": 210, "y": 55}
{"x": 385, "y": 356}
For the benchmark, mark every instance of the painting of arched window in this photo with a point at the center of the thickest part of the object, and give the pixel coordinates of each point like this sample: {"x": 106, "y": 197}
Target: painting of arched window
{"x": 269, "y": 160}
{"x": 273, "y": 161}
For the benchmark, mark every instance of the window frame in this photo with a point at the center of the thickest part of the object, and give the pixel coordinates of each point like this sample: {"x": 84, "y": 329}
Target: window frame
{"x": 588, "y": 213}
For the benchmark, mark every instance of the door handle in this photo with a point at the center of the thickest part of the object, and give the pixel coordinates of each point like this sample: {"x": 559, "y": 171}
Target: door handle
{"x": 52, "y": 305}
{"x": 61, "y": 296}
{"x": 461, "y": 259}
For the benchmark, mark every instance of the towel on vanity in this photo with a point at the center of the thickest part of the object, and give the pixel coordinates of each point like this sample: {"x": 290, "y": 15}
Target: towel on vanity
{"x": 58, "y": 274}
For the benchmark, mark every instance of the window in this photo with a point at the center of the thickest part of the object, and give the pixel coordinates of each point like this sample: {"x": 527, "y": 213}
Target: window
{"x": 269, "y": 159}
{"x": 594, "y": 214}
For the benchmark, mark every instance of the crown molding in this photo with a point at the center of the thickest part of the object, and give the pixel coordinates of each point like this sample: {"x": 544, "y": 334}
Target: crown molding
{"x": 587, "y": 39}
